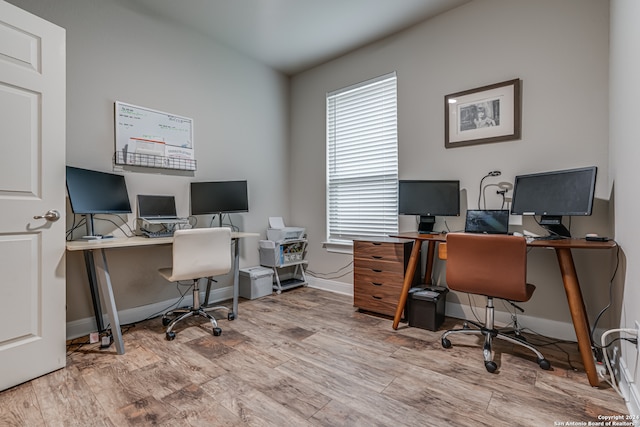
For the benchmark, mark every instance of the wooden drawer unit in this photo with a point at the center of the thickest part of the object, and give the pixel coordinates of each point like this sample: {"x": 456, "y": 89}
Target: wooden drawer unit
{"x": 378, "y": 273}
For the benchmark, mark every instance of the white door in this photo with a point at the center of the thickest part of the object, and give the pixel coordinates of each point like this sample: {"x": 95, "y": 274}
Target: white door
{"x": 32, "y": 174}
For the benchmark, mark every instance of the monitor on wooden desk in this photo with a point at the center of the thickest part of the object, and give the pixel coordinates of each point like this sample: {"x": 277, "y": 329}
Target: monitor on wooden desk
{"x": 428, "y": 199}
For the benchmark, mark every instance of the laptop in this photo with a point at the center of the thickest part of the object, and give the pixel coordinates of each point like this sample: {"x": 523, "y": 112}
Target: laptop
{"x": 158, "y": 210}
{"x": 490, "y": 221}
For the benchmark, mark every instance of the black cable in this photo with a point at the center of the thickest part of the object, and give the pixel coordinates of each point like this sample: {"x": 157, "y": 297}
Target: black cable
{"x": 325, "y": 275}
{"x": 611, "y": 283}
{"x": 73, "y": 343}
{"x": 118, "y": 226}
{"x": 74, "y": 227}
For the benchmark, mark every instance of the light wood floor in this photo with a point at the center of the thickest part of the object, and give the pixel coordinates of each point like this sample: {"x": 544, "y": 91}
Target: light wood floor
{"x": 306, "y": 358}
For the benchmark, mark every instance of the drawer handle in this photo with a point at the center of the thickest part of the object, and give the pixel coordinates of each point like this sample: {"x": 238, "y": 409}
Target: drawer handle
{"x": 375, "y": 297}
{"x": 376, "y": 271}
{"x": 376, "y": 257}
{"x": 376, "y": 243}
{"x": 376, "y": 284}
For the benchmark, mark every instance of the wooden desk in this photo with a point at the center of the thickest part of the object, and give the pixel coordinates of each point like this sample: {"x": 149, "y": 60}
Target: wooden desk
{"x": 94, "y": 250}
{"x": 569, "y": 279}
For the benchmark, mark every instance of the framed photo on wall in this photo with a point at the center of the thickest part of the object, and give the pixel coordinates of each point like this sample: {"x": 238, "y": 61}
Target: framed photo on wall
{"x": 482, "y": 115}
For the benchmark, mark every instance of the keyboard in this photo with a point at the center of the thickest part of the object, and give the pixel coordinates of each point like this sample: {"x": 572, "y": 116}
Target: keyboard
{"x": 160, "y": 220}
{"x": 156, "y": 234}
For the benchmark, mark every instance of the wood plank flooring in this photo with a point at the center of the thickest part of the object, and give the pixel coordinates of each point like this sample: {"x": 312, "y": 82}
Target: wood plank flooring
{"x": 306, "y": 358}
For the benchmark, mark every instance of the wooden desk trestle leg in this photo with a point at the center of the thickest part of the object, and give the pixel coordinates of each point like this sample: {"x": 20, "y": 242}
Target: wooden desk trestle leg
{"x": 408, "y": 280}
{"x": 431, "y": 249}
{"x": 578, "y": 312}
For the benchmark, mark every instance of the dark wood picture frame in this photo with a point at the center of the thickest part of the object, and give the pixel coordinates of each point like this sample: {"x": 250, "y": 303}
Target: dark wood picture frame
{"x": 482, "y": 115}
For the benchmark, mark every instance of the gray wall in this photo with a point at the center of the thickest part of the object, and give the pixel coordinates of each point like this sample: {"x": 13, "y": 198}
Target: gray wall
{"x": 558, "y": 49}
{"x": 240, "y": 113}
{"x": 624, "y": 172}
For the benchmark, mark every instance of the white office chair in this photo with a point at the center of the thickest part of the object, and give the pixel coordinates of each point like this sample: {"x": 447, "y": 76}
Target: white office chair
{"x": 197, "y": 253}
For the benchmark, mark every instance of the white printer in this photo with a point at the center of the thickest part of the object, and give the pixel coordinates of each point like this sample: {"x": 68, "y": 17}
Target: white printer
{"x": 278, "y": 232}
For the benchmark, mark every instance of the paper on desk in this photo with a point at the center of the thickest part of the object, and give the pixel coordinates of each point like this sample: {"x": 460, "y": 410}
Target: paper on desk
{"x": 276, "y": 222}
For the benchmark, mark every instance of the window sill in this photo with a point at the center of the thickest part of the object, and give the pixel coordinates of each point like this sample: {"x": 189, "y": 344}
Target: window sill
{"x": 339, "y": 246}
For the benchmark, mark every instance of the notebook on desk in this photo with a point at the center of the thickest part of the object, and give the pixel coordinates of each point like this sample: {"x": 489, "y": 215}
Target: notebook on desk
{"x": 493, "y": 221}
{"x": 158, "y": 210}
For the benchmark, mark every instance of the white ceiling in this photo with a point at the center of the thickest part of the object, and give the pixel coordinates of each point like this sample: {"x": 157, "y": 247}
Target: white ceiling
{"x": 295, "y": 35}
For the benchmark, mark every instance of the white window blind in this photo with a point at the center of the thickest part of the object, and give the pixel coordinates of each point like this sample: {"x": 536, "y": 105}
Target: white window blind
{"x": 362, "y": 160}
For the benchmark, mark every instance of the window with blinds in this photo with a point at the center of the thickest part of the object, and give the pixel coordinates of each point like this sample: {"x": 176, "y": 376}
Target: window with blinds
{"x": 362, "y": 160}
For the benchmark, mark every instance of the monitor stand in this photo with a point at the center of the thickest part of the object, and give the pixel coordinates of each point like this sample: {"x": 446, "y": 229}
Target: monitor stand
{"x": 426, "y": 224}
{"x": 553, "y": 223}
{"x": 89, "y": 221}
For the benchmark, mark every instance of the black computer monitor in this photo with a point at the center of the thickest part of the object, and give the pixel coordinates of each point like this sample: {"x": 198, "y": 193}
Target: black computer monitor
{"x": 92, "y": 192}
{"x": 218, "y": 197}
{"x": 428, "y": 199}
{"x": 555, "y": 194}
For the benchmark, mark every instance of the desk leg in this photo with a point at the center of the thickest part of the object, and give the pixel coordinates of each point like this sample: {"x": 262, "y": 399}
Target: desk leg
{"x": 93, "y": 286}
{"x": 430, "y": 254}
{"x": 112, "y": 311}
{"x": 408, "y": 280}
{"x": 236, "y": 276}
{"x": 578, "y": 312}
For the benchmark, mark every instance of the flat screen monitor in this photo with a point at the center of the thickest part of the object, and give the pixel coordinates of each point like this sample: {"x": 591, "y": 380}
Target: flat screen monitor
{"x": 92, "y": 192}
{"x": 428, "y": 199}
{"x": 156, "y": 206}
{"x": 217, "y": 197}
{"x": 555, "y": 194}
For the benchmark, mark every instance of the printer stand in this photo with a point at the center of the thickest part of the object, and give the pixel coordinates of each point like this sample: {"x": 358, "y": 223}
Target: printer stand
{"x": 285, "y": 255}
{"x": 298, "y": 279}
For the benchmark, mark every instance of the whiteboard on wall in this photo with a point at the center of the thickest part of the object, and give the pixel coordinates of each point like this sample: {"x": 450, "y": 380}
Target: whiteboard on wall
{"x": 152, "y": 138}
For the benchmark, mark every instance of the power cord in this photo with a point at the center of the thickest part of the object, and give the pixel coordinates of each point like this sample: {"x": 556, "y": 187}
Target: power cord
{"x": 612, "y": 378}
{"x": 326, "y": 275}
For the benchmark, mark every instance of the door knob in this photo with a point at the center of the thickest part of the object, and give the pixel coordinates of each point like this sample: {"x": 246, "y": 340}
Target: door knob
{"x": 51, "y": 215}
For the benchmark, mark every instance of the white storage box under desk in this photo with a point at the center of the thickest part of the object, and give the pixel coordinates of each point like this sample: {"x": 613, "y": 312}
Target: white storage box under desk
{"x": 256, "y": 282}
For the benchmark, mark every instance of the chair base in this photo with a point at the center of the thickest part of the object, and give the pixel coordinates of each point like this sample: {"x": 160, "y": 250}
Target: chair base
{"x": 490, "y": 333}
{"x": 195, "y": 310}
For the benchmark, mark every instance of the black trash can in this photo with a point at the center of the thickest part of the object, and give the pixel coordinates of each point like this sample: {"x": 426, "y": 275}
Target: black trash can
{"x": 425, "y": 307}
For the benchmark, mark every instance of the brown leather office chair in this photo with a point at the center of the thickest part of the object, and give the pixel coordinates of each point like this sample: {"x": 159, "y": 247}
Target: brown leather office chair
{"x": 494, "y": 266}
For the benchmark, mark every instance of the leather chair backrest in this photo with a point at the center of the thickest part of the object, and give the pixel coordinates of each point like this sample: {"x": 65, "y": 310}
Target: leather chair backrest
{"x": 201, "y": 252}
{"x": 488, "y": 264}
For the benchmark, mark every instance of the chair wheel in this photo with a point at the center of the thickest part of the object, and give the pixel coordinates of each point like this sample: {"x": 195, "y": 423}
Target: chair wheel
{"x": 231, "y": 315}
{"x": 165, "y": 321}
{"x": 217, "y": 332}
{"x": 445, "y": 343}
{"x": 171, "y": 336}
{"x": 491, "y": 366}
{"x": 544, "y": 364}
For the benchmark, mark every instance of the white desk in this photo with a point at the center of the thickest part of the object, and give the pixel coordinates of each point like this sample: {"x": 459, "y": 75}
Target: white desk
{"x": 95, "y": 257}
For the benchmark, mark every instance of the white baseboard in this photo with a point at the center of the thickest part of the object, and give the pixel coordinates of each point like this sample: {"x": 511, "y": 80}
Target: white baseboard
{"x": 82, "y": 327}
{"x": 629, "y": 391}
{"x": 330, "y": 285}
{"x": 546, "y": 327}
